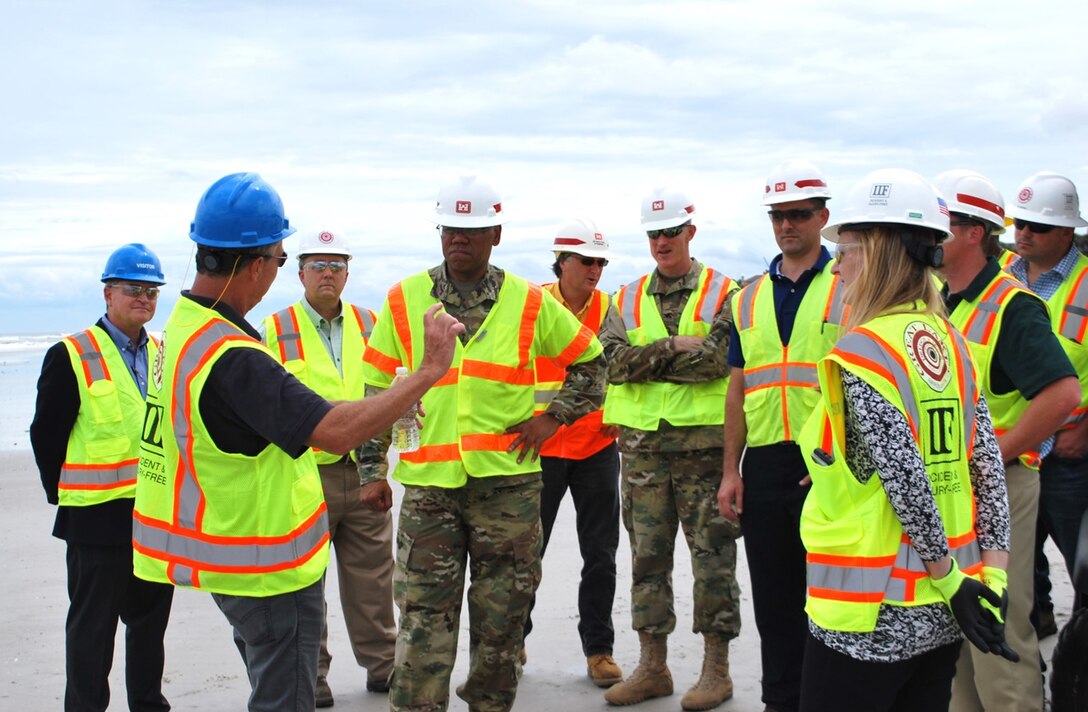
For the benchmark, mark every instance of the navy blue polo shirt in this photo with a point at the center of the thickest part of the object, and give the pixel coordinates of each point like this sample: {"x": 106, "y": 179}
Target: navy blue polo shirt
{"x": 787, "y": 300}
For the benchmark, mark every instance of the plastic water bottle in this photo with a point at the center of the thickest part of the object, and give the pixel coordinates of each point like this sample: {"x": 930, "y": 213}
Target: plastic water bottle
{"x": 405, "y": 430}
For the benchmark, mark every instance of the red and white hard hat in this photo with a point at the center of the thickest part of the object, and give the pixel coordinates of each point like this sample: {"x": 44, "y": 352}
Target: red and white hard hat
{"x": 665, "y": 208}
{"x": 794, "y": 180}
{"x": 324, "y": 242}
{"x": 1048, "y": 198}
{"x": 468, "y": 201}
{"x": 969, "y": 193}
{"x": 581, "y": 237}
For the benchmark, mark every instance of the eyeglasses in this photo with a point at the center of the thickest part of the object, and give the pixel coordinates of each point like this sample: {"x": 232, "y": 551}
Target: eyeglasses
{"x": 136, "y": 291}
{"x": 468, "y": 232}
{"x": 669, "y": 232}
{"x": 843, "y": 248}
{"x": 590, "y": 261}
{"x": 796, "y": 215}
{"x": 282, "y": 259}
{"x": 1037, "y": 228}
{"x": 322, "y": 265}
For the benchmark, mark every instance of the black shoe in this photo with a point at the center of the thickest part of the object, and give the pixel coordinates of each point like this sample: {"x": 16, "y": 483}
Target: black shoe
{"x": 324, "y": 694}
{"x": 1047, "y": 625}
{"x": 378, "y": 686}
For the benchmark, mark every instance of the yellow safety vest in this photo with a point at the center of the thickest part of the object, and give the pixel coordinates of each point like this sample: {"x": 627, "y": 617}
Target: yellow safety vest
{"x": 212, "y": 520}
{"x": 583, "y": 437}
{"x": 780, "y": 387}
{"x": 644, "y": 405}
{"x": 1069, "y": 314}
{"x": 490, "y": 384}
{"x": 104, "y": 445}
{"x": 859, "y": 557}
{"x": 980, "y": 322}
{"x": 291, "y": 336}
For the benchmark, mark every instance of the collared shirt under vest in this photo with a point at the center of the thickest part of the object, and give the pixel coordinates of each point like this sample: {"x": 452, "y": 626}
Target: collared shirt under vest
{"x": 104, "y": 445}
{"x": 1069, "y": 315}
{"x": 644, "y": 405}
{"x": 293, "y": 338}
{"x": 859, "y": 556}
{"x": 583, "y": 437}
{"x": 491, "y": 382}
{"x": 222, "y": 522}
{"x": 780, "y": 384}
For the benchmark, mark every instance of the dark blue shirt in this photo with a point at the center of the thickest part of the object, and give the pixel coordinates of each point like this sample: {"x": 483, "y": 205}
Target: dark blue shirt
{"x": 787, "y": 300}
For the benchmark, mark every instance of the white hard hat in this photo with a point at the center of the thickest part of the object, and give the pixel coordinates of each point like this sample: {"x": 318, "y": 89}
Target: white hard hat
{"x": 794, "y": 180}
{"x": 1050, "y": 199}
{"x": 969, "y": 193}
{"x": 893, "y": 196}
{"x": 468, "y": 201}
{"x": 324, "y": 242}
{"x": 665, "y": 208}
{"x": 581, "y": 237}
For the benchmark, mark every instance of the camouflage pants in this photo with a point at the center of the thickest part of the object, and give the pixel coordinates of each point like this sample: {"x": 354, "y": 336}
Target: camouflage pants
{"x": 498, "y": 532}
{"x": 659, "y": 491}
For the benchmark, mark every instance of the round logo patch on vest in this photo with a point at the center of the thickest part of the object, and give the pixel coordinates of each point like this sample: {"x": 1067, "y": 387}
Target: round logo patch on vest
{"x": 157, "y": 367}
{"x": 928, "y": 354}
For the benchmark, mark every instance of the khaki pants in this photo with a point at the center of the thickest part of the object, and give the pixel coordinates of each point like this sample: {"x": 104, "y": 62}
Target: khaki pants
{"x": 362, "y": 542}
{"x": 990, "y": 682}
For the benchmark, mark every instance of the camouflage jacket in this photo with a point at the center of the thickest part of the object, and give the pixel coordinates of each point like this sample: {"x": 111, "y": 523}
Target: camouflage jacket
{"x": 660, "y": 362}
{"x": 582, "y": 391}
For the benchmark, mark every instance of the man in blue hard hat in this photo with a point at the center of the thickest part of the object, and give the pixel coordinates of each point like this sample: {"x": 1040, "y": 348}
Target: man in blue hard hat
{"x": 86, "y": 440}
{"x": 228, "y": 496}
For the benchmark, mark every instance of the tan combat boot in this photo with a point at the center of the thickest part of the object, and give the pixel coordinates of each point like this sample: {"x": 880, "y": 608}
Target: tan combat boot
{"x": 650, "y": 679}
{"x": 714, "y": 686}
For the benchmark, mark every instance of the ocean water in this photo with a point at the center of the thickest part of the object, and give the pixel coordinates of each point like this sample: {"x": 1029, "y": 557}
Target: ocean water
{"x": 20, "y": 363}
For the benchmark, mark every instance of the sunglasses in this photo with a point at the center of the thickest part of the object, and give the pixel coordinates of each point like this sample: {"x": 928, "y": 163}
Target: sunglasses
{"x": 322, "y": 265}
{"x": 590, "y": 261}
{"x": 136, "y": 291}
{"x": 1037, "y": 228}
{"x": 282, "y": 259}
{"x": 843, "y": 248}
{"x": 669, "y": 232}
{"x": 796, "y": 215}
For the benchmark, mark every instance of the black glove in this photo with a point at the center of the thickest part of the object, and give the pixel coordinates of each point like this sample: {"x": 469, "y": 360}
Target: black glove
{"x": 979, "y": 625}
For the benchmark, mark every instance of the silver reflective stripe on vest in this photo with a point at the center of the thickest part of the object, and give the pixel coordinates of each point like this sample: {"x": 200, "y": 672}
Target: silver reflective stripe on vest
{"x": 746, "y": 310}
{"x": 1073, "y": 323}
{"x": 289, "y": 340}
{"x": 365, "y": 320}
{"x": 91, "y": 358}
{"x": 193, "y": 355}
{"x": 630, "y": 295}
{"x": 224, "y": 556}
{"x": 970, "y": 391}
{"x": 110, "y": 476}
{"x": 863, "y": 346}
{"x": 182, "y": 575}
{"x": 978, "y": 328}
{"x": 838, "y": 304}
{"x": 794, "y": 375}
{"x": 849, "y": 579}
{"x": 710, "y": 302}
{"x": 910, "y": 563}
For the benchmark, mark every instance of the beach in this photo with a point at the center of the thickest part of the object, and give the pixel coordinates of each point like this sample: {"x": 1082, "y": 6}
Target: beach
{"x": 203, "y": 668}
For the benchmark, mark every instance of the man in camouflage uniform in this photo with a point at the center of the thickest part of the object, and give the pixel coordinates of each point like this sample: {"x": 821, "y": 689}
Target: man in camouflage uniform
{"x": 472, "y": 490}
{"x": 666, "y": 355}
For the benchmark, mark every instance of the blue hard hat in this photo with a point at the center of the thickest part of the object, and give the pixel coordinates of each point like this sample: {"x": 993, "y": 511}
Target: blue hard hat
{"x": 134, "y": 262}
{"x": 239, "y": 211}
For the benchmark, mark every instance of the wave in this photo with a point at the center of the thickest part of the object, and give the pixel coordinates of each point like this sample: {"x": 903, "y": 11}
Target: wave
{"x": 10, "y": 343}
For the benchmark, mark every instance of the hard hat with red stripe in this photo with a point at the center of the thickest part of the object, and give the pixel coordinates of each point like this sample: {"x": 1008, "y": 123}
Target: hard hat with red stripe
{"x": 795, "y": 180}
{"x": 581, "y": 237}
{"x": 665, "y": 208}
{"x": 971, "y": 194}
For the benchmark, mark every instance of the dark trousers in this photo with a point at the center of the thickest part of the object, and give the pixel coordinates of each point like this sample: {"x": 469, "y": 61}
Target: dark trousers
{"x": 594, "y": 488}
{"x": 776, "y": 564}
{"x": 833, "y": 682}
{"x": 102, "y": 590}
{"x": 1063, "y": 498}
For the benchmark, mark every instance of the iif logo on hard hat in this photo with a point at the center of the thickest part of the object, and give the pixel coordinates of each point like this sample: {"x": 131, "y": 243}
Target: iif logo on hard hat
{"x": 879, "y": 193}
{"x": 464, "y": 207}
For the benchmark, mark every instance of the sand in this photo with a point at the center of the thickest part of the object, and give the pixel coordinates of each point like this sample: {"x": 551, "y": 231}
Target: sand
{"x": 204, "y": 671}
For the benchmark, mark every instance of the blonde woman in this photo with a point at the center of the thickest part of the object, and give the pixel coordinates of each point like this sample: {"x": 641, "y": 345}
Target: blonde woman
{"x": 906, "y": 526}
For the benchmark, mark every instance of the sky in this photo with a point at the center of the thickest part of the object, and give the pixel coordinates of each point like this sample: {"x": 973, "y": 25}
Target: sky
{"x": 118, "y": 114}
